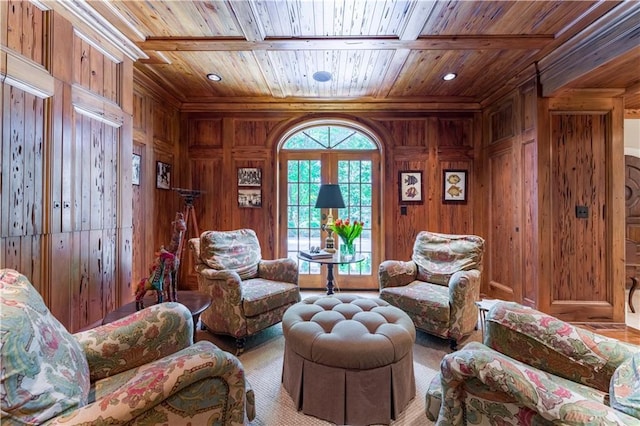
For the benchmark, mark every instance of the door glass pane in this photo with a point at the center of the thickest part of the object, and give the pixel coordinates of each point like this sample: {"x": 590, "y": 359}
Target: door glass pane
{"x": 354, "y": 177}
{"x": 303, "y": 220}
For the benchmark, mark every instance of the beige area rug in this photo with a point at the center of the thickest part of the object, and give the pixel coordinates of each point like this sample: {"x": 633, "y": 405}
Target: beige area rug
{"x": 262, "y": 360}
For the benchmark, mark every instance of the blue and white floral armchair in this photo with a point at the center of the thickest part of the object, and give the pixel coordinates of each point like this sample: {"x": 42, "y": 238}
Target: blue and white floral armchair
{"x": 143, "y": 369}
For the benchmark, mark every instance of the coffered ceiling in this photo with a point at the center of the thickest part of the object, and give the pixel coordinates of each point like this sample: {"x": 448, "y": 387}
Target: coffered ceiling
{"x": 380, "y": 51}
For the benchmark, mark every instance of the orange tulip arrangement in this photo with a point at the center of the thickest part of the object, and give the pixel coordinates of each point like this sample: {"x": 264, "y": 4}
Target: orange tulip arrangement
{"x": 348, "y": 231}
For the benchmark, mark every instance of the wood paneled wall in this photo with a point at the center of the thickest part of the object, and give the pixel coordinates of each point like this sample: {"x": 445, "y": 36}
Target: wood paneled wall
{"x": 545, "y": 157}
{"x": 510, "y": 156}
{"x": 155, "y": 138}
{"x": 218, "y": 143}
{"x": 66, "y": 127}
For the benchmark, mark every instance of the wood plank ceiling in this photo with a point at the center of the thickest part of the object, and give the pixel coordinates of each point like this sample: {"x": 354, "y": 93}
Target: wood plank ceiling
{"x": 380, "y": 50}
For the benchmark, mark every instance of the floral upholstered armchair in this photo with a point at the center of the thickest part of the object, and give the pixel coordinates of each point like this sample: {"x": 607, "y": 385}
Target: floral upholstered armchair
{"x": 439, "y": 286}
{"x": 142, "y": 369}
{"x": 249, "y": 294}
{"x": 534, "y": 369}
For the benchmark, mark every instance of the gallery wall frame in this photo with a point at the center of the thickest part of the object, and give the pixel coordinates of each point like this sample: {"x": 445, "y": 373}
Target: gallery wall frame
{"x": 410, "y": 187}
{"x": 136, "y": 164}
{"x": 163, "y": 175}
{"x": 454, "y": 186}
{"x": 249, "y": 187}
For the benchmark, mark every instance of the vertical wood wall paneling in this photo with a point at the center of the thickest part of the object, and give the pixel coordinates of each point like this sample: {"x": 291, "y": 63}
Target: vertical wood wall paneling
{"x": 579, "y": 179}
{"x": 528, "y": 223}
{"x": 138, "y": 201}
{"x": 501, "y": 146}
{"x": 17, "y": 176}
{"x": 409, "y": 147}
{"x": 455, "y": 150}
{"x": 63, "y": 278}
{"x": 25, "y": 35}
{"x": 203, "y": 153}
{"x": 250, "y": 150}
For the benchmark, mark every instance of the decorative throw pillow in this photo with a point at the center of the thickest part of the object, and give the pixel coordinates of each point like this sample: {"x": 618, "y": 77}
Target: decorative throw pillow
{"x": 439, "y": 256}
{"x": 235, "y": 250}
{"x": 624, "y": 391}
{"x": 44, "y": 369}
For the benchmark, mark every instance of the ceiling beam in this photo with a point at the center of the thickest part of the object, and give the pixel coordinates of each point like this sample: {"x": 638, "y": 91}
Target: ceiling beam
{"x": 613, "y": 35}
{"x": 417, "y": 18}
{"x": 517, "y": 42}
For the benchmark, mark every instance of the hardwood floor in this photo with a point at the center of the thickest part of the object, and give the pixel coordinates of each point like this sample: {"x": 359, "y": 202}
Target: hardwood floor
{"x": 618, "y": 331}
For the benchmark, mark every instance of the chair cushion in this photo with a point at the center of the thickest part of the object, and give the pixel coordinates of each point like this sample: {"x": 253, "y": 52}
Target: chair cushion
{"x": 439, "y": 256}
{"x": 44, "y": 370}
{"x": 625, "y": 387}
{"x": 238, "y": 251}
{"x": 420, "y": 299}
{"x": 260, "y": 295}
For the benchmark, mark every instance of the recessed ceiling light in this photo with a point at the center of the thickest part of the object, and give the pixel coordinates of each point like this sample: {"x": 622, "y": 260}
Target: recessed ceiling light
{"x": 322, "y": 76}
{"x": 449, "y": 77}
{"x": 214, "y": 77}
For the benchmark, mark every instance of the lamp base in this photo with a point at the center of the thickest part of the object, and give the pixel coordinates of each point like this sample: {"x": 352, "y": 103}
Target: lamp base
{"x": 329, "y": 246}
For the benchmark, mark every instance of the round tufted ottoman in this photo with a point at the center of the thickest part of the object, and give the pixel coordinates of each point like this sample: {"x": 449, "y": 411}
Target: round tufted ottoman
{"x": 348, "y": 359}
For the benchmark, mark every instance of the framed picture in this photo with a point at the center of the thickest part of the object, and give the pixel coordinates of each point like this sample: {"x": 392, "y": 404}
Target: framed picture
{"x": 249, "y": 176}
{"x": 135, "y": 169}
{"x": 163, "y": 175}
{"x": 410, "y": 186}
{"x": 250, "y": 197}
{"x": 454, "y": 186}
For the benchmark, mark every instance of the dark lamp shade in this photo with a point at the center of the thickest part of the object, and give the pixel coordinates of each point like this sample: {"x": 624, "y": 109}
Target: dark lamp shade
{"x": 330, "y": 197}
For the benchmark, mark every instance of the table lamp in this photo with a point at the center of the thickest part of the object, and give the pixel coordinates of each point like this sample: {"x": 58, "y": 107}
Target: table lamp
{"x": 329, "y": 197}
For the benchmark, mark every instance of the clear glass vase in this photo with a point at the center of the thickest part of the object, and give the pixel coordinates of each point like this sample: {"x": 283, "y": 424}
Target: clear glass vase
{"x": 347, "y": 251}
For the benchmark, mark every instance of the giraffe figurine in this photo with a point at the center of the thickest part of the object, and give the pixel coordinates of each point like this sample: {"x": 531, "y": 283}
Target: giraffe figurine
{"x": 163, "y": 271}
{"x": 153, "y": 282}
{"x": 179, "y": 226}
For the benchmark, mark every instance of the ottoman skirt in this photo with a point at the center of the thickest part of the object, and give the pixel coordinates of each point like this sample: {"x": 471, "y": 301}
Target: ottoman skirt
{"x": 344, "y": 396}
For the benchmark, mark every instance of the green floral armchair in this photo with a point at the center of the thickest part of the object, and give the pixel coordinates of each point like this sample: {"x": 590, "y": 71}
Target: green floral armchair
{"x": 143, "y": 369}
{"x": 534, "y": 369}
{"x": 249, "y": 293}
{"x": 439, "y": 286}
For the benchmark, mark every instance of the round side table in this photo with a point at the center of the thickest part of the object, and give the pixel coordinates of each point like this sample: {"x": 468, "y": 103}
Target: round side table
{"x": 195, "y": 301}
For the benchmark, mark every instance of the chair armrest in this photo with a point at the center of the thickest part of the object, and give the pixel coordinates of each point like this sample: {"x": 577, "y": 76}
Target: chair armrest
{"x": 396, "y": 273}
{"x": 223, "y": 285}
{"x": 156, "y": 382}
{"x": 194, "y": 245}
{"x": 553, "y": 345}
{"x": 147, "y": 335}
{"x": 531, "y": 387}
{"x": 285, "y": 269}
{"x": 464, "y": 291}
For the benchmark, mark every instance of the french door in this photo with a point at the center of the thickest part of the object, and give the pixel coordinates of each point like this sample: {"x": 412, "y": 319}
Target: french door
{"x": 357, "y": 173}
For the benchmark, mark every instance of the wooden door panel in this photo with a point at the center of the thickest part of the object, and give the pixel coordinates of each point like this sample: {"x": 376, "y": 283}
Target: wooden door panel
{"x": 579, "y": 178}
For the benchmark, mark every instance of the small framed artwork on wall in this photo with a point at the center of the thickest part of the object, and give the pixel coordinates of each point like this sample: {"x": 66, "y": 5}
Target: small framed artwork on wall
{"x": 249, "y": 176}
{"x": 249, "y": 197}
{"x": 163, "y": 175}
{"x": 135, "y": 169}
{"x": 454, "y": 186}
{"x": 410, "y": 187}
{"x": 249, "y": 187}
